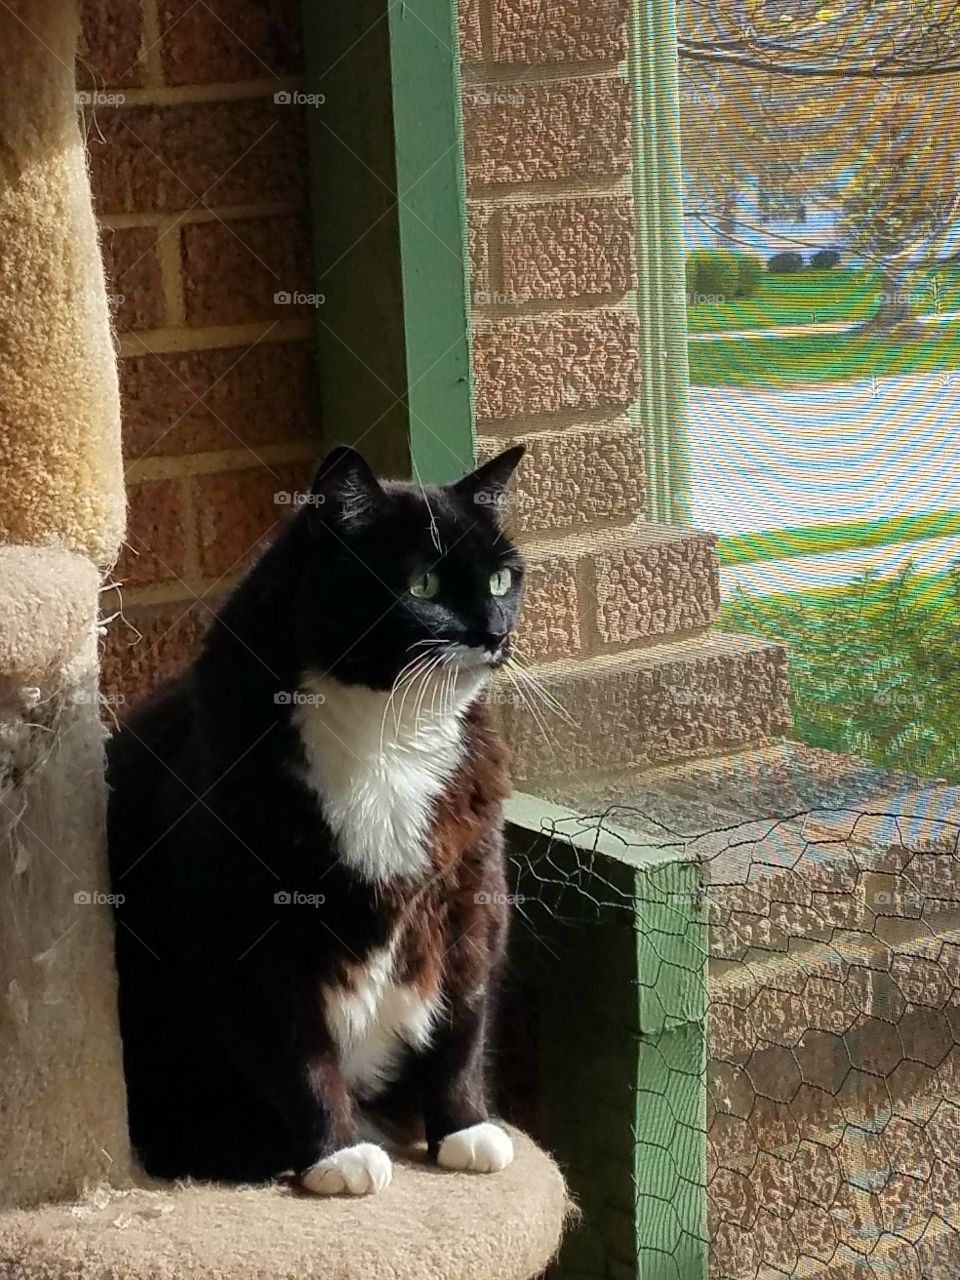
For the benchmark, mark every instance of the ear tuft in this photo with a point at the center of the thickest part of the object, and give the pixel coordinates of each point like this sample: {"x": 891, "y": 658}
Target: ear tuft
{"x": 487, "y": 484}
{"x": 345, "y": 490}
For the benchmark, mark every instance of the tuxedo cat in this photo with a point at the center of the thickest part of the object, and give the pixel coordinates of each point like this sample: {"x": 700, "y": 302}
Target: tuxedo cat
{"x": 305, "y": 838}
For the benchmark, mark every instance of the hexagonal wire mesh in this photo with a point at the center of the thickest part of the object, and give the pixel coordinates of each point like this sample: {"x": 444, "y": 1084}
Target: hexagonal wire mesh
{"x": 813, "y": 1128}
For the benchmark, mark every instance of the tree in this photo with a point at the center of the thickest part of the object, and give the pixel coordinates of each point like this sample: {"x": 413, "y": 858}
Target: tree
{"x": 855, "y": 105}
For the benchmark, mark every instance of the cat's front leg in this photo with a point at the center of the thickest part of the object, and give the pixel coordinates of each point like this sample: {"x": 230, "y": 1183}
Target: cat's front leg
{"x": 340, "y": 1163}
{"x": 460, "y": 1133}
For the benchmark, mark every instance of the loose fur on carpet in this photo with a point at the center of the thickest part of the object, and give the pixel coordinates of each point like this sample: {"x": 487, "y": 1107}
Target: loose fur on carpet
{"x": 428, "y": 1225}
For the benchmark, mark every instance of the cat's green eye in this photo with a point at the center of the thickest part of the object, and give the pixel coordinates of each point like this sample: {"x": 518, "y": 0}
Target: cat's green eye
{"x": 425, "y": 588}
{"x": 501, "y": 582}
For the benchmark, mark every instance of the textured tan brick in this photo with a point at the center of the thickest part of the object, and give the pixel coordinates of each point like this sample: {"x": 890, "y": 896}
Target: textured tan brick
{"x": 549, "y": 621}
{"x": 110, "y": 35}
{"x": 547, "y": 364}
{"x": 471, "y": 34}
{"x": 147, "y": 645}
{"x": 659, "y": 582}
{"x": 227, "y": 40}
{"x": 573, "y": 477}
{"x": 235, "y": 272}
{"x": 534, "y": 31}
{"x": 134, "y": 284}
{"x": 239, "y": 510}
{"x": 155, "y": 546}
{"x": 546, "y": 132}
{"x": 568, "y": 248}
{"x": 672, "y": 702}
{"x": 193, "y": 401}
{"x": 171, "y": 158}
{"x": 478, "y": 232}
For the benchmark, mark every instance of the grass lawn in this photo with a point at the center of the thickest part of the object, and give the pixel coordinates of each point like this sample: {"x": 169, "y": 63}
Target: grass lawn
{"x": 812, "y": 358}
{"x": 813, "y": 297}
{"x": 874, "y": 666}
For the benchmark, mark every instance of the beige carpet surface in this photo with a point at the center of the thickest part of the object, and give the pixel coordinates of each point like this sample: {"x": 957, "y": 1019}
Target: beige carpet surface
{"x": 60, "y": 454}
{"x": 48, "y": 608}
{"x": 429, "y": 1224}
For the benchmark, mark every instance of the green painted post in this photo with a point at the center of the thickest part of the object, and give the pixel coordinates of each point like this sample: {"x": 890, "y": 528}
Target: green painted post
{"x": 388, "y": 211}
{"x": 613, "y": 939}
{"x": 671, "y": 1118}
{"x": 657, "y": 186}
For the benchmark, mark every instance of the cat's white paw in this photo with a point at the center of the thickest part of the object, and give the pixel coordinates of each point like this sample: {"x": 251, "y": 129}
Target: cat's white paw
{"x": 358, "y": 1171}
{"x": 483, "y": 1148}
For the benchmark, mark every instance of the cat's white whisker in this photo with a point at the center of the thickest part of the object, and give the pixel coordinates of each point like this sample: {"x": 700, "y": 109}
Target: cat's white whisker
{"x": 549, "y": 701}
{"x": 532, "y": 711}
{"x": 421, "y": 677}
{"x": 427, "y": 683}
{"x": 405, "y": 674}
{"x": 545, "y": 699}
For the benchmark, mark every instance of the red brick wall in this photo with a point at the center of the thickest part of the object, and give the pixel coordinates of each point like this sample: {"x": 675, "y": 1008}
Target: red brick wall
{"x": 199, "y": 179}
{"x": 199, "y": 182}
{"x": 556, "y": 345}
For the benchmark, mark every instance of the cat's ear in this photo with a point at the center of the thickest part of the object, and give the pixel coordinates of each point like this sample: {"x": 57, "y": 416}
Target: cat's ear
{"x": 489, "y": 482}
{"x": 345, "y": 490}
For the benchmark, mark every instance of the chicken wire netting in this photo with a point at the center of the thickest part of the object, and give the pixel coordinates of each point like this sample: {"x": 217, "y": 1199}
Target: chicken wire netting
{"x": 773, "y": 1011}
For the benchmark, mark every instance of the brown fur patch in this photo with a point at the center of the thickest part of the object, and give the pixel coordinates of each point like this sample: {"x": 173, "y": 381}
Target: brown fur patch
{"x": 453, "y": 928}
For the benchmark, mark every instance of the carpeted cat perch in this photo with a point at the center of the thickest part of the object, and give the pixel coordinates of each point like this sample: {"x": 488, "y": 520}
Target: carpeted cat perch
{"x": 72, "y": 1203}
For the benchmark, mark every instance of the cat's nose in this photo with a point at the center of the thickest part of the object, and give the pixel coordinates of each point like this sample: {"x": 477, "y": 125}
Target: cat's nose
{"x": 495, "y": 640}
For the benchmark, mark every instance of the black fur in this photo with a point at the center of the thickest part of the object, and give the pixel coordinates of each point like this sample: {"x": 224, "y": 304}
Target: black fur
{"x": 232, "y": 1072}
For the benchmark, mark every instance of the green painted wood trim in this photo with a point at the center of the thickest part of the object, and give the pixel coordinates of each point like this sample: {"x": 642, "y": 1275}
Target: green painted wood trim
{"x": 670, "y": 1119}
{"x": 614, "y": 939}
{"x": 585, "y": 833}
{"x": 428, "y": 123}
{"x": 781, "y": 544}
{"x": 388, "y": 213}
{"x": 661, "y": 258}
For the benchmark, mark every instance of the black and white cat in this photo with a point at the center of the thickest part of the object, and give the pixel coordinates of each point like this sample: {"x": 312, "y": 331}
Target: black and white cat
{"x": 305, "y": 830}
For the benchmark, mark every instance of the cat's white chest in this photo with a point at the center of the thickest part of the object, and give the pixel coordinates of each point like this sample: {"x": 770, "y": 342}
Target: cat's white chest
{"x": 372, "y": 1018}
{"x": 378, "y": 771}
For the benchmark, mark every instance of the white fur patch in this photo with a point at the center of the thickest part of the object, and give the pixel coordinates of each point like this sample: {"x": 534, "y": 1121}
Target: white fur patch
{"x": 483, "y": 1148}
{"x": 359, "y": 1171}
{"x": 372, "y": 1020}
{"x": 378, "y": 764}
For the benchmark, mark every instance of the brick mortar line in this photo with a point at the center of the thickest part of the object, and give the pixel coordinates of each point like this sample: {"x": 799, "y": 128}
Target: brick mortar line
{"x": 487, "y": 43}
{"x": 191, "y": 530}
{"x": 585, "y": 576}
{"x": 544, "y": 540}
{"x": 182, "y": 466}
{"x": 183, "y": 591}
{"x": 169, "y": 251}
{"x": 161, "y": 95}
{"x": 546, "y": 193}
{"x": 597, "y": 777}
{"x": 521, "y": 192}
{"x": 687, "y": 645}
{"x": 583, "y": 540}
{"x": 222, "y": 213}
{"x": 485, "y": 315}
{"x": 613, "y": 648}
{"x": 494, "y": 260}
{"x": 622, "y": 304}
{"x": 560, "y": 423}
{"x": 512, "y": 74}
{"x": 212, "y": 337}
{"x": 151, "y": 44}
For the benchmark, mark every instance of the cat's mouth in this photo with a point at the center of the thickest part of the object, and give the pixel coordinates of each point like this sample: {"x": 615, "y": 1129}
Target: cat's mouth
{"x": 478, "y": 658}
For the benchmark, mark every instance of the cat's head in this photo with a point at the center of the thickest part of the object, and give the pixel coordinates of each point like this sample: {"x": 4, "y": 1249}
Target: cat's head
{"x": 399, "y": 571}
